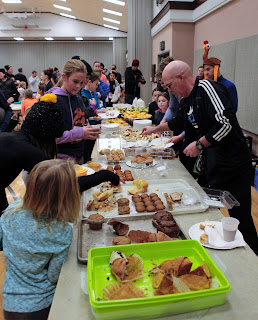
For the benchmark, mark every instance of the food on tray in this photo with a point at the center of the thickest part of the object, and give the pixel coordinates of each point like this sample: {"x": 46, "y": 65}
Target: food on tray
{"x": 169, "y": 201}
{"x": 206, "y": 223}
{"x": 123, "y": 202}
{"x": 166, "y": 281}
{"x": 139, "y": 186}
{"x": 123, "y": 210}
{"x": 94, "y": 165}
{"x": 120, "y": 240}
{"x": 117, "y": 167}
{"x": 119, "y": 227}
{"x": 176, "y": 196}
{"x": 167, "y": 153}
{"x": 95, "y": 221}
{"x": 204, "y": 238}
{"x": 142, "y": 159}
{"x": 121, "y": 122}
{"x": 165, "y": 223}
{"x": 110, "y": 168}
{"x": 102, "y": 196}
{"x": 139, "y": 236}
{"x": 99, "y": 206}
{"x": 107, "y": 186}
{"x": 127, "y": 269}
{"x": 110, "y": 113}
{"x": 136, "y": 115}
{"x": 149, "y": 203}
{"x": 115, "y": 156}
{"x": 117, "y": 291}
{"x": 80, "y": 171}
{"x": 131, "y": 134}
{"x": 103, "y": 201}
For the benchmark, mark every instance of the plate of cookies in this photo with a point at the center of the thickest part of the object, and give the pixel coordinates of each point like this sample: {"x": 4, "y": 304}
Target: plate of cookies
{"x": 142, "y": 161}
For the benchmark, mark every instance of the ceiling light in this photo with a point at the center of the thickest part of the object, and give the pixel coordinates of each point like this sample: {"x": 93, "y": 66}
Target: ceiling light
{"x": 49, "y": 38}
{"x": 111, "y": 39}
{"x": 19, "y": 39}
{"x": 79, "y": 38}
{"x": 120, "y": 3}
{"x": 11, "y": 1}
{"x": 111, "y": 20}
{"x": 111, "y": 27}
{"x": 62, "y": 8}
{"x": 113, "y": 12}
{"x": 67, "y": 15}
{"x": 63, "y": 0}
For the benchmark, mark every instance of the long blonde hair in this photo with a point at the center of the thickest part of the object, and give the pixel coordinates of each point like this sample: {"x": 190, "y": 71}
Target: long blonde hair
{"x": 53, "y": 192}
{"x": 74, "y": 65}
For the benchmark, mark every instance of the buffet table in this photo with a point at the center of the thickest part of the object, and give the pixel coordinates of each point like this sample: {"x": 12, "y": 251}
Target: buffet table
{"x": 239, "y": 265}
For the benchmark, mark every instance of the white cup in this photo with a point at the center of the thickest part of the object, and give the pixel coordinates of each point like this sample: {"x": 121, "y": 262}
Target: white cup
{"x": 229, "y": 227}
{"x": 96, "y": 125}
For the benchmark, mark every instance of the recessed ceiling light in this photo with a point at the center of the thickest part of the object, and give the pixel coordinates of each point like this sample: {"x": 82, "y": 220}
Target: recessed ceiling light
{"x": 67, "y": 15}
{"x": 111, "y": 20}
{"x": 19, "y": 39}
{"x": 116, "y": 13}
{"x": 111, "y": 39}
{"x": 11, "y": 1}
{"x": 63, "y": 0}
{"x": 120, "y": 3}
{"x": 79, "y": 38}
{"x": 49, "y": 38}
{"x": 61, "y": 7}
{"x": 111, "y": 27}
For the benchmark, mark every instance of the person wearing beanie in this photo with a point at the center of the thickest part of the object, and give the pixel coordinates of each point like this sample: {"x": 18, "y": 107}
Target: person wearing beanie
{"x": 9, "y": 72}
{"x": 133, "y": 81}
{"x": 87, "y": 65}
{"x": 212, "y": 72}
{"x": 8, "y": 87}
{"x": 36, "y": 142}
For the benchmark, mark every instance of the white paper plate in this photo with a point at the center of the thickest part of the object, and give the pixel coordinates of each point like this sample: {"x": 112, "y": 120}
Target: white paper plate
{"x": 160, "y": 143}
{"x": 143, "y": 165}
{"x": 108, "y": 116}
{"x": 110, "y": 126}
{"x": 195, "y": 232}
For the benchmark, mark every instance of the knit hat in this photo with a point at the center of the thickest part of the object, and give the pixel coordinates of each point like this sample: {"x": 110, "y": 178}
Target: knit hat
{"x": 44, "y": 120}
{"x": 7, "y": 67}
{"x": 87, "y": 65}
{"x": 2, "y": 70}
{"x": 215, "y": 62}
{"x": 135, "y": 63}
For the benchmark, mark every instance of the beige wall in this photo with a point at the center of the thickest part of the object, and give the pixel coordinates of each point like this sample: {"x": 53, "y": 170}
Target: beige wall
{"x": 183, "y": 42}
{"x": 237, "y": 19}
{"x": 164, "y": 35}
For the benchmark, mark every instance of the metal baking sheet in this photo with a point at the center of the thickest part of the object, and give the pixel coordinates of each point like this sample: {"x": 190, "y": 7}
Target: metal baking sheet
{"x": 159, "y": 187}
{"x": 88, "y": 238}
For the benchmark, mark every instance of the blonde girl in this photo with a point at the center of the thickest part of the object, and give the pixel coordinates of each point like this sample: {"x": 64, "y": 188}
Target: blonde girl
{"x": 36, "y": 238}
{"x": 71, "y": 144}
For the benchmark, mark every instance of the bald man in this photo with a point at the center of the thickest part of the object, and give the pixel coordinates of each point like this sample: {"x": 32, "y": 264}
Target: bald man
{"x": 213, "y": 134}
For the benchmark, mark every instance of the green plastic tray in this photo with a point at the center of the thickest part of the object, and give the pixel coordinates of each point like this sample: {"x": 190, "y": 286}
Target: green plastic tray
{"x": 99, "y": 275}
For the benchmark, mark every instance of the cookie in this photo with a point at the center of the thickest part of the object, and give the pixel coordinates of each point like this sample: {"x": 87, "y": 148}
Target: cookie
{"x": 140, "y": 209}
{"x": 150, "y": 208}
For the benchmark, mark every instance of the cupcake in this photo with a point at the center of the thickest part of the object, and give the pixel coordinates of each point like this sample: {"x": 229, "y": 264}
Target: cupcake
{"x": 123, "y": 202}
{"x": 95, "y": 221}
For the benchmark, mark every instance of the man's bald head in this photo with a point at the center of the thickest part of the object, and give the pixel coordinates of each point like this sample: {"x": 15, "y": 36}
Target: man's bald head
{"x": 180, "y": 77}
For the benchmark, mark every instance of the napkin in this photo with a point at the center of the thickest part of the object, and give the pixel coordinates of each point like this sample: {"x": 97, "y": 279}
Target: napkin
{"x": 215, "y": 238}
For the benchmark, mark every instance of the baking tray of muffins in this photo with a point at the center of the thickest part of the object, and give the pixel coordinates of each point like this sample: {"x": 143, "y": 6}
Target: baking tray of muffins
{"x": 102, "y": 232}
{"x": 113, "y": 156}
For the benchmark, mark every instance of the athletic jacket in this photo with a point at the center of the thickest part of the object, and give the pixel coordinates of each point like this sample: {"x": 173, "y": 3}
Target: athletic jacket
{"x": 207, "y": 111}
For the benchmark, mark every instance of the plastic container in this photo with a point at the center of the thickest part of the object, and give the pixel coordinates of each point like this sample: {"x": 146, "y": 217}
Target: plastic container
{"x": 99, "y": 275}
{"x": 140, "y": 124}
{"x": 219, "y": 198}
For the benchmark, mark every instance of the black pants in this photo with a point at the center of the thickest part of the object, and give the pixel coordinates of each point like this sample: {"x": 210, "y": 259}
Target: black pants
{"x": 240, "y": 188}
{"x": 37, "y": 315}
{"x": 88, "y": 148}
{"x": 129, "y": 98}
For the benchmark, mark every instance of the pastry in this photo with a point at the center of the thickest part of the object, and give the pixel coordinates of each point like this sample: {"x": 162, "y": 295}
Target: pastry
{"x": 123, "y": 210}
{"x": 153, "y": 195}
{"x": 169, "y": 201}
{"x": 136, "y": 200}
{"x": 139, "y": 186}
{"x": 170, "y": 228}
{"x": 120, "y": 240}
{"x": 94, "y": 165}
{"x": 117, "y": 291}
{"x": 139, "y": 236}
{"x": 117, "y": 167}
{"x": 140, "y": 209}
{"x": 123, "y": 202}
{"x": 163, "y": 216}
{"x": 109, "y": 158}
{"x": 95, "y": 221}
{"x": 144, "y": 195}
{"x": 160, "y": 207}
{"x": 151, "y": 209}
{"x": 204, "y": 238}
{"x": 135, "y": 196}
{"x": 148, "y": 203}
{"x": 157, "y": 202}
{"x": 155, "y": 198}
{"x": 110, "y": 168}
{"x": 175, "y": 196}
{"x": 119, "y": 227}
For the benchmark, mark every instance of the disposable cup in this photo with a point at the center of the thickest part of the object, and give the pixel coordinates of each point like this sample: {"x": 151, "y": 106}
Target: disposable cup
{"x": 96, "y": 125}
{"x": 229, "y": 227}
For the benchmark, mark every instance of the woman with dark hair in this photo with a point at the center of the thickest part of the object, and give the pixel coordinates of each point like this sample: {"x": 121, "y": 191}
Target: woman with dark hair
{"x": 36, "y": 142}
{"x": 8, "y": 87}
{"x": 46, "y": 76}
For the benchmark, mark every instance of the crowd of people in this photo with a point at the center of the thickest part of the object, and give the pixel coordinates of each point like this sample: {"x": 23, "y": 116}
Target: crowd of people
{"x": 59, "y": 113}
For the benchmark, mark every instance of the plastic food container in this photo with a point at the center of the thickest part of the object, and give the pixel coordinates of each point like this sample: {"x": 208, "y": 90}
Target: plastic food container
{"x": 219, "y": 198}
{"x": 99, "y": 275}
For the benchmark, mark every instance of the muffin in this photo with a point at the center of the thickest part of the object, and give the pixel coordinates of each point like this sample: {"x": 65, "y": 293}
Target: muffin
{"x": 123, "y": 210}
{"x": 95, "y": 221}
{"x": 117, "y": 167}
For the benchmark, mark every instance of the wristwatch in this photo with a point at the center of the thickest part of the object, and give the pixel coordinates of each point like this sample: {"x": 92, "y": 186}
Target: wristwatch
{"x": 199, "y": 145}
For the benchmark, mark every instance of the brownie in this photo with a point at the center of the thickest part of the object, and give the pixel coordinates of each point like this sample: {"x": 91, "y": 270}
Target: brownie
{"x": 170, "y": 228}
{"x": 163, "y": 216}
